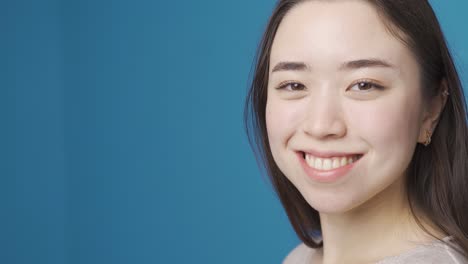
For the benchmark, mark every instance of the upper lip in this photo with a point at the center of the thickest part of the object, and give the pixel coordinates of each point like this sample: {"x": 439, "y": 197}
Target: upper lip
{"x": 328, "y": 154}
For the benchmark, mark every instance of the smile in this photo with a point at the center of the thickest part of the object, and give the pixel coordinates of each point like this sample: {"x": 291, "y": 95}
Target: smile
{"x": 330, "y": 163}
{"x": 328, "y": 168}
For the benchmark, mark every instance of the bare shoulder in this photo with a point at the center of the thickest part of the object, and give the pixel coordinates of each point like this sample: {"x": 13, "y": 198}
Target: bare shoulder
{"x": 299, "y": 255}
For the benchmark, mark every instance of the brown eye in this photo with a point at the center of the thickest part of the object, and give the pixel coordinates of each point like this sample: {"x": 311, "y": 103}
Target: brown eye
{"x": 291, "y": 86}
{"x": 366, "y": 86}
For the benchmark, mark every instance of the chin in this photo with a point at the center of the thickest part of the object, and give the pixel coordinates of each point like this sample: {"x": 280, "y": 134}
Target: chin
{"x": 334, "y": 204}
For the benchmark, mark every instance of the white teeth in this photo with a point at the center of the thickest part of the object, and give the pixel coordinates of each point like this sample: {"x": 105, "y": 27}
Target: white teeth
{"x": 328, "y": 164}
{"x": 336, "y": 163}
{"x": 317, "y": 163}
{"x": 344, "y": 161}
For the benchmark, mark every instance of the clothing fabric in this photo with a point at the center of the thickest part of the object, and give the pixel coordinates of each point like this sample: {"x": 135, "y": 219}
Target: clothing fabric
{"x": 436, "y": 252}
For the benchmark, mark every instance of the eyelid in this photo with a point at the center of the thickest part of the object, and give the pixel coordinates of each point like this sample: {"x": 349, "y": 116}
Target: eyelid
{"x": 284, "y": 84}
{"x": 376, "y": 84}
{"x": 372, "y": 82}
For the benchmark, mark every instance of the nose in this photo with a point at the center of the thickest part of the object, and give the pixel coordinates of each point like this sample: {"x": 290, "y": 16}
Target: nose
{"x": 324, "y": 116}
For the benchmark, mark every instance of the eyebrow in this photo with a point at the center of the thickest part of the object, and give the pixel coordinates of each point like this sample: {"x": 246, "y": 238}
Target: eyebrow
{"x": 366, "y": 63}
{"x": 290, "y": 66}
{"x": 350, "y": 65}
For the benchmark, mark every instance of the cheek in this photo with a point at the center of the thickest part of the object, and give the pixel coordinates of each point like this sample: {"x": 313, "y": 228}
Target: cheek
{"x": 280, "y": 119}
{"x": 281, "y": 123}
{"x": 390, "y": 127}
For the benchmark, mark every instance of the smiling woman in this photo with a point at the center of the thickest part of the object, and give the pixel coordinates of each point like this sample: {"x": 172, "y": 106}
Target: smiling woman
{"x": 342, "y": 94}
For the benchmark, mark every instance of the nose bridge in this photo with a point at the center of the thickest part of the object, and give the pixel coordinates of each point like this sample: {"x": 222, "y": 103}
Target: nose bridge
{"x": 324, "y": 114}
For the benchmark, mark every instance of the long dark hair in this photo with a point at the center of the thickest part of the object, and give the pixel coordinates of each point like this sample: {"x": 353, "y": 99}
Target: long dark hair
{"x": 437, "y": 180}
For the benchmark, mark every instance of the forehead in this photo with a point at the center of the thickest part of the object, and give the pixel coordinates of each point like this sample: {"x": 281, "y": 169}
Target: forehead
{"x": 326, "y": 33}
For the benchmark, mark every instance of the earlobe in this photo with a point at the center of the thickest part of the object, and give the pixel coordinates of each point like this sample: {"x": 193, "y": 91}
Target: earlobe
{"x": 425, "y": 136}
{"x": 428, "y": 138}
{"x": 432, "y": 118}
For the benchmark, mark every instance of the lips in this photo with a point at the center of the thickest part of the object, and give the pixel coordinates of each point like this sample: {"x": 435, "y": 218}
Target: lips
{"x": 329, "y": 163}
{"x": 324, "y": 167}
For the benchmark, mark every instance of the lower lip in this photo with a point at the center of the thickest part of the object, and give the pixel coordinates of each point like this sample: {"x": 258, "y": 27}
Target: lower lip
{"x": 327, "y": 176}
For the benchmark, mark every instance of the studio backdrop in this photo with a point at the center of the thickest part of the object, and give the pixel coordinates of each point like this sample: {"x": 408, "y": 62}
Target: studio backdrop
{"x": 122, "y": 138}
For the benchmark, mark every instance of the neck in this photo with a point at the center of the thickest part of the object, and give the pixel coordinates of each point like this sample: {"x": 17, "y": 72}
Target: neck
{"x": 369, "y": 233}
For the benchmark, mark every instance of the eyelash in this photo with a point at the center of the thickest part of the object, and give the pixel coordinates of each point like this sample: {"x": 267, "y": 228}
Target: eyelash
{"x": 373, "y": 84}
{"x": 367, "y": 82}
{"x": 283, "y": 85}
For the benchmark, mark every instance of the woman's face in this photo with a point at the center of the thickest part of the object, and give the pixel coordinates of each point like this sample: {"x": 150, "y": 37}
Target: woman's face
{"x": 346, "y": 86}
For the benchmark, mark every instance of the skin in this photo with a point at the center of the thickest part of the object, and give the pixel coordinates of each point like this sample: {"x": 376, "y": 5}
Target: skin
{"x": 326, "y": 110}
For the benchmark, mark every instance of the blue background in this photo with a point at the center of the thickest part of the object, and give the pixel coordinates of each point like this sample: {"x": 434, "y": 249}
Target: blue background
{"x": 121, "y": 132}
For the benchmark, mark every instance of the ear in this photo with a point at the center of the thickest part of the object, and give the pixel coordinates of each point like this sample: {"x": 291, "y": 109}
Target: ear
{"x": 432, "y": 112}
